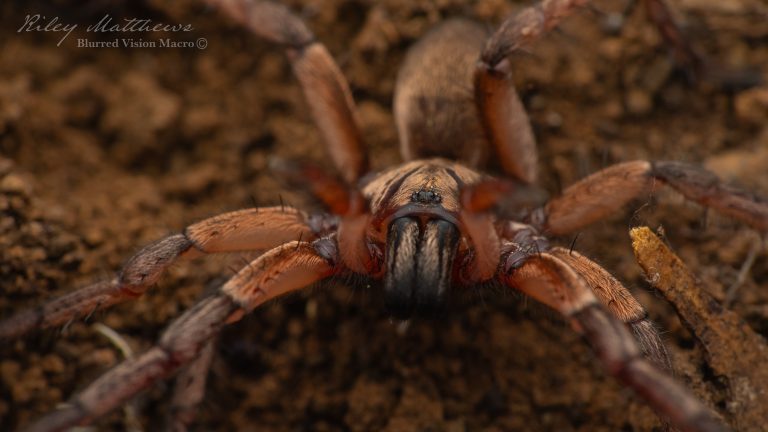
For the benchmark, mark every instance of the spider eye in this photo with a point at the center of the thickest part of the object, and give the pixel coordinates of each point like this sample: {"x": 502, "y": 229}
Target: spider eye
{"x": 426, "y": 196}
{"x": 419, "y": 265}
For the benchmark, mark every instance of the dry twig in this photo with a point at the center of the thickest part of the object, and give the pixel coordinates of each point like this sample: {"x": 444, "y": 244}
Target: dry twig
{"x": 733, "y": 350}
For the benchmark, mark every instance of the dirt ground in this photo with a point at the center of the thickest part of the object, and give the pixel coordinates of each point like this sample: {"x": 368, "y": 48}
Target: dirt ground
{"x": 103, "y": 150}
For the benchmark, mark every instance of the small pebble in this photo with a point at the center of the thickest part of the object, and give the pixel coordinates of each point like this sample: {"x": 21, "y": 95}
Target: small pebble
{"x": 52, "y": 364}
{"x": 613, "y": 23}
{"x": 554, "y": 120}
{"x": 638, "y": 102}
{"x": 752, "y": 106}
{"x": 14, "y": 184}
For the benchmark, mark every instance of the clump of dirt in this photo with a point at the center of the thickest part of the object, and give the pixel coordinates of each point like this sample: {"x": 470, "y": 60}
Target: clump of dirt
{"x": 107, "y": 149}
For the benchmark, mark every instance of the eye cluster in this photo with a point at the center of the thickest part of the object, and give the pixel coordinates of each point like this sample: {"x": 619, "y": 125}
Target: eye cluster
{"x": 426, "y": 196}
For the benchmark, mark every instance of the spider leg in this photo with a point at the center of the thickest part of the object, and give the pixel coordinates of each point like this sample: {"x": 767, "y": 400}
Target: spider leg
{"x": 249, "y": 229}
{"x": 550, "y": 280}
{"x": 289, "y": 267}
{"x": 609, "y": 291}
{"x": 325, "y": 88}
{"x": 685, "y": 54}
{"x": 621, "y": 303}
{"x": 606, "y": 191}
{"x": 505, "y": 121}
{"x": 189, "y": 389}
{"x": 501, "y": 112}
{"x": 190, "y": 386}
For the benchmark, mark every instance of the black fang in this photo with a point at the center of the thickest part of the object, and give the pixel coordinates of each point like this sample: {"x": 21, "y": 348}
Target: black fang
{"x": 419, "y": 266}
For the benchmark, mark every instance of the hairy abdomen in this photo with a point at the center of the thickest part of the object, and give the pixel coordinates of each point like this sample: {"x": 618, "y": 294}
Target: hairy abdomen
{"x": 434, "y": 103}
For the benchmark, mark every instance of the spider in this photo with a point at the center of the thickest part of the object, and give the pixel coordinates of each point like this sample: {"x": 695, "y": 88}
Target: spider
{"x": 423, "y": 229}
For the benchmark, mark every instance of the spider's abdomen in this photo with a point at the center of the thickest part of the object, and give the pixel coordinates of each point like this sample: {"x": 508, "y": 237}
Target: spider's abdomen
{"x": 434, "y": 103}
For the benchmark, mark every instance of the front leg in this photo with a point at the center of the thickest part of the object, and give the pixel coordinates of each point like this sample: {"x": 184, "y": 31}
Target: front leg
{"x": 621, "y": 303}
{"x": 606, "y": 191}
{"x": 286, "y": 268}
{"x": 548, "y": 279}
{"x": 242, "y": 230}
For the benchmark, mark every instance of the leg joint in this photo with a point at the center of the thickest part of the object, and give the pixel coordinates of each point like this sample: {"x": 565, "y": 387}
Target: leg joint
{"x": 328, "y": 249}
{"x": 146, "y": 266}
{"x": 610, "y": 338}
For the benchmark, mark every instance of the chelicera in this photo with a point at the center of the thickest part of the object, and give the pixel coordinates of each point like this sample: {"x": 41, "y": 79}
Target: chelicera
{"x": 424, "y": 229}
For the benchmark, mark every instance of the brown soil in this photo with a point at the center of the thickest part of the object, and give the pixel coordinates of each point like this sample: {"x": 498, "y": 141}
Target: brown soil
{"x": 104, "y": 150}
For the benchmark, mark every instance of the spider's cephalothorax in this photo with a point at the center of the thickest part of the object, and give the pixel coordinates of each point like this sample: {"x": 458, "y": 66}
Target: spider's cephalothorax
{"x": 416, "y": 216}
{"x": 422, "y": 228}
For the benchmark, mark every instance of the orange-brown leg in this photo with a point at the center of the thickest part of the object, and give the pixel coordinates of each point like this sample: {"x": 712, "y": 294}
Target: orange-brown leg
{"x": 502, "y": 114}
{"x": 505, "y": 121}
{"x": 250, "y": 229}
{"x": 620, "y": 302}
{"x": 288, "y": 267}
{"x": 606, "y": 191}
{"x": 324, "y": 86}
{"x": 550, "y": 280}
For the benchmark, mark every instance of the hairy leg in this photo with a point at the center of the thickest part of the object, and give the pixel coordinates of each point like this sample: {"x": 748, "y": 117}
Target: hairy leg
{"x": 189, "y": 389}
{"x": 620, "y": 302}
{"x": 288, "y": 267}
{"x": 606, "y": 191}
{"x": 250, "y": 229}
{"x": 501, "y": 112}
{"x": 324, "y": 86}
{"x": 548, "y": 279}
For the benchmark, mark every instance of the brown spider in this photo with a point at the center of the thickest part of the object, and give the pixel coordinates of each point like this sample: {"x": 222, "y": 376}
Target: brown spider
{"x": 423, "y": 228}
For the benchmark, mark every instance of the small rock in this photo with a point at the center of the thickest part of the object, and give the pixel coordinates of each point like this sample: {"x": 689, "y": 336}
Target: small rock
{"x": 612, "y": 23}
{"x": 52, "y": 364}
{"x": 14, "y": 184}
{"x": 554, "y": 120}
{"x": 6, "y": 165}
{"x": 9, "y": 371}
{"x": 613, "y": 109}
{"x": 752, "y": 106}
{"x": 638, "y": 102}
{"x": 612, "y": 48}
{"x": 656, "y": 75}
